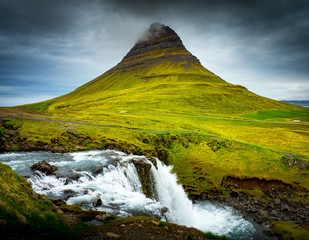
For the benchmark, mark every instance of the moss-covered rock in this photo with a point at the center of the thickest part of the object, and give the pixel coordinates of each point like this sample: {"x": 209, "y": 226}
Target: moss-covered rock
{"x": 44, "y": 167}
{"x": 152, "y": 160}
{"x": 293, "y": 161}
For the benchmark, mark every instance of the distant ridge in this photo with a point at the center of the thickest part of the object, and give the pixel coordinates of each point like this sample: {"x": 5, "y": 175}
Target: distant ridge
{"x": 159, "y": 74}
{"x": 296, "y": 102}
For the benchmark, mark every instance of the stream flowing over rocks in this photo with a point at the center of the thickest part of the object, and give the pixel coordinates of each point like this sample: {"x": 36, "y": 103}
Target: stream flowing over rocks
{"x": 126, "y": 185}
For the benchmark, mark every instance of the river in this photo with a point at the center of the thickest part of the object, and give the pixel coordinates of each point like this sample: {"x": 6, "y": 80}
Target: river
{"x": 111, "y": 176}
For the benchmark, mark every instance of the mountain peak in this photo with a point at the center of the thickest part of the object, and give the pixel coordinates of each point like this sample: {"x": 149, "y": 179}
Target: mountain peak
{"x": 157, "y": 30}
{"x": 161, "y": 42}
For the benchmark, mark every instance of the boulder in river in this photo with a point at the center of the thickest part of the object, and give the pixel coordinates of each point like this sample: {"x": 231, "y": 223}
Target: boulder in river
{"x": 97, "y": 202}
{"x": 144, "y": 173}
{"x": 71, "y": 178}
{"x": 164, "y": 210}
{"x": 68, "y": 194}
{"x": 44, "y": 167}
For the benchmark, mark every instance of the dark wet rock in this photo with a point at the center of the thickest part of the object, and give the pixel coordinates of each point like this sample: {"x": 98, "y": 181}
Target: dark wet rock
{"x": 163, "y": 155}
{"x": 96, "y": 202}
{"x": 68, "y": 194}
{"x": 153, "y": 161}
{"x": 263, "y": 212}
{"x": 68, "y": 181}
{"x": 234, "y": 194}
{"x": 44, "y": 167}
{"x": 69, "y": 191}
{"x": 72, "y": 178}
{"x": 164, "y": 210}
{"x": 97, "y": 171}
{"x": 144, "y": 173}
{"x": 75, "y": 177}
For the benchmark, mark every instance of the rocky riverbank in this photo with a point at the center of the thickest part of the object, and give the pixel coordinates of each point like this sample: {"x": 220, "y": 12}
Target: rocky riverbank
{"x": 101, "y": 225}
{"x": 265, "y": 202}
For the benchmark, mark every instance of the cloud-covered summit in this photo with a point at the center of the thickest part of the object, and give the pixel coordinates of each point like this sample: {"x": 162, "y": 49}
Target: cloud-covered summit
{"x": 154, "y": 31}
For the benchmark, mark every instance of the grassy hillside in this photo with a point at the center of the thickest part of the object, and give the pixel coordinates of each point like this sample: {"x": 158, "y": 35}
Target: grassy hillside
{"x": 190, "y": 98}
{"x": 24, "y": 213}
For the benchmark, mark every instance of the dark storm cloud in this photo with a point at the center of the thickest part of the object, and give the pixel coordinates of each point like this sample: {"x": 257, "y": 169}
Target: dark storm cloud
{"x": 36, "y": 37}
{"x": 281, "y": 25}
{"x": 28, "y": 17}
{"x": 61, "y": 44}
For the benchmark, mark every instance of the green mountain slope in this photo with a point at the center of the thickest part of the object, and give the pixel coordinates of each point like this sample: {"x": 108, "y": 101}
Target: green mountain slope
{"x": 159, "y": 75}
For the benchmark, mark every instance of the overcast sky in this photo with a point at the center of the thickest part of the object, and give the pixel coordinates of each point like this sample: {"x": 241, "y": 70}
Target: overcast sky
{"x": 50, "y": 47}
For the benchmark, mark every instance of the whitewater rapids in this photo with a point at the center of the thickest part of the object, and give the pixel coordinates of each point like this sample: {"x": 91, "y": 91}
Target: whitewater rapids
{"x": 112, "y": 177}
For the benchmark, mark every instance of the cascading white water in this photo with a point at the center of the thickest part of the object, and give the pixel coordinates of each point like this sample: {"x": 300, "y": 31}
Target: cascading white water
{"x": 172, "y": 196}
{"x": 112, "y": 177}
{"x": 203, "y": 215}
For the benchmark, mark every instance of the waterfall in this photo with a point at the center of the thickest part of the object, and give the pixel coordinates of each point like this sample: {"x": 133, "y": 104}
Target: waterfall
{"x": 112, "y": 177}
{"x": 172, "y": 196}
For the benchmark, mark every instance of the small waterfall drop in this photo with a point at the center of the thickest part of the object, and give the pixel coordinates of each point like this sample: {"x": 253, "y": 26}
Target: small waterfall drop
{"x": 113, "y": 177}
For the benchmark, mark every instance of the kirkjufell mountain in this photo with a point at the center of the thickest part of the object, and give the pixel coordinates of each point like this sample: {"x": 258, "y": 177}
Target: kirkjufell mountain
{"x": 160, "y": 75}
